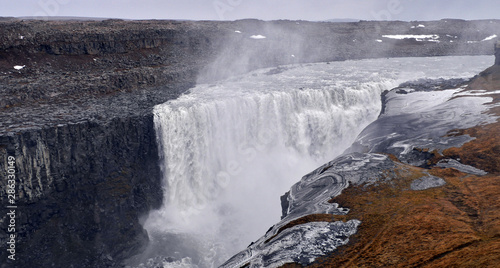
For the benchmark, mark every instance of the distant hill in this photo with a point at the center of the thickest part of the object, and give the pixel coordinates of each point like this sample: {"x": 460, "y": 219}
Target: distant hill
{"x": 61, "y": 18}
{"x": 342, "y": 20}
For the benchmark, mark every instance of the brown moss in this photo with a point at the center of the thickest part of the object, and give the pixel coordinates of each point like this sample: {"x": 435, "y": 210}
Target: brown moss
{"x": 483, "y": 152}
{"x": 435, "y": 228}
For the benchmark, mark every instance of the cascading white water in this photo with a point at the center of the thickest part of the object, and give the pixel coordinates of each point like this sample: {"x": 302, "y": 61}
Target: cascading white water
{"x": 228, "y": 151}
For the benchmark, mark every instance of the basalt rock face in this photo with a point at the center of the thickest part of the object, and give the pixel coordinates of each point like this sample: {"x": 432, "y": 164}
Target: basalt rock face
{"x": 77, "y": 117}
{"x": 81, "y": 189}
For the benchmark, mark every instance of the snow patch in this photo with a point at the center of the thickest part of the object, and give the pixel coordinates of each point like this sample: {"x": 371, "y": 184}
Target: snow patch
{"x": 19, "y": 67}
{"x": 237, "y": 31}
{"x": 417, "y": 37}
{"x": 378, "y": 40}
{"x": 258, "y": 36}
{"x": 491, "y": 37}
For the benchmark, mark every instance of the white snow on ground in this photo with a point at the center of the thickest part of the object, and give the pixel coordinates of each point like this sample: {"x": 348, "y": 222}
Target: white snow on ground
{"x": 237, "y": 31}
{"x": 420, "y": 26}
{"x": 21, "y": 37}
{"x": 490, "y": 37}
{"x": 418, "y": 37}
{"x": 19, "y": 67}
{"x": 258, "y": 36}
{"x": 378, "y": 40}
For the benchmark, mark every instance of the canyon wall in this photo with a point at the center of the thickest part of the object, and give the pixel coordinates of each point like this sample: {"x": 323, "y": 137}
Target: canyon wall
{"x": 76, "y": 114}
{"x": 81, "y": 190}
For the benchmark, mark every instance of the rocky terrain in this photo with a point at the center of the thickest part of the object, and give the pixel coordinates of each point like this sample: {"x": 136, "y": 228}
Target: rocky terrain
{"x": 76, "y": 102}
{"x": 418, "y": 188}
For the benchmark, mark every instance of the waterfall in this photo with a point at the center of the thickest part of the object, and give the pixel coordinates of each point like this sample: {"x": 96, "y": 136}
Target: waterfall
{"x": 228, "y": 151}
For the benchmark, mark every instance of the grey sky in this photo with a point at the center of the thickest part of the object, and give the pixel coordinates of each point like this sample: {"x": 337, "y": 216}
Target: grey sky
{"x": 261, "y": 9}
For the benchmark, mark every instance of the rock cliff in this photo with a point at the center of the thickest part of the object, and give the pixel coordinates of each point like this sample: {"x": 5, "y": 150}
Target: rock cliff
{"x": 81, "y": 190}
{"x": 76, "y": 104}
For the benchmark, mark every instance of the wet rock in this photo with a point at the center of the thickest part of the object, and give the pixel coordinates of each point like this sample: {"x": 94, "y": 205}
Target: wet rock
{"x": 426, "y": 182}
{"x": 451, "y": 163}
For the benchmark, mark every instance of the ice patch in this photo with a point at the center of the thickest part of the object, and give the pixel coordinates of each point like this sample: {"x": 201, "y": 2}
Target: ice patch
{"x": 301, "y": 244}
{"x": 258, "y": 36}
{"x": 19, "y": 67}
{"x": 414, "y": 102}
{"x": 477, "y": 93}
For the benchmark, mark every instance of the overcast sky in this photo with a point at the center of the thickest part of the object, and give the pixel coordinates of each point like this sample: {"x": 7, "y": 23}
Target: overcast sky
{"x": 261, "y": 9}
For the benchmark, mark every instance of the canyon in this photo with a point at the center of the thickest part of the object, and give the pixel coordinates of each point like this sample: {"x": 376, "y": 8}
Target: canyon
{"x": 77, "y": 116}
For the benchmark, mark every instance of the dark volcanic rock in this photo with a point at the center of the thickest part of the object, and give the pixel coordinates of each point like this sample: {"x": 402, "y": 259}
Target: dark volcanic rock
{"x": 497, "y": 53}
{"x": 81, "y": 189}
{"x": 78, "y": 116}
{"x": 65, "y": 60}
